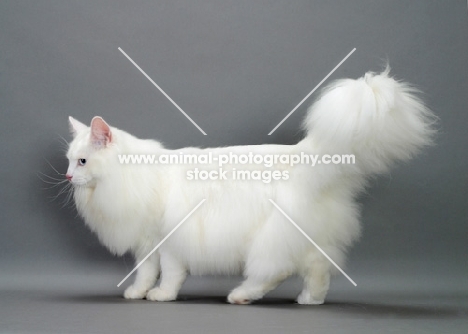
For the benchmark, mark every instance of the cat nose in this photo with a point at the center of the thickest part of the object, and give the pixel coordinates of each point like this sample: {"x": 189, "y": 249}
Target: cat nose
{"x": 69, "y": 177}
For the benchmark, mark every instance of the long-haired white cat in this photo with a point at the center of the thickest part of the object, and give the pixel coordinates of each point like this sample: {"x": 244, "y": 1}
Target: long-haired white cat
{"x": 237, "y": 230}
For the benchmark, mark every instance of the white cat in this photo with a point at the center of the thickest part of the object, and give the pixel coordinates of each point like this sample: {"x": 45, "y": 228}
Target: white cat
{"x": 237, "y": 230}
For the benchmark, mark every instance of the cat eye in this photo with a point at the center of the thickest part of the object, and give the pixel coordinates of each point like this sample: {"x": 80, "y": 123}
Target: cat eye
{"x": 82, "y": 162}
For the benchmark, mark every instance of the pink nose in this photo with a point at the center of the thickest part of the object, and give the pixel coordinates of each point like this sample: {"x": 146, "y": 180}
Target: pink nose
{"x": 69, "y": 177}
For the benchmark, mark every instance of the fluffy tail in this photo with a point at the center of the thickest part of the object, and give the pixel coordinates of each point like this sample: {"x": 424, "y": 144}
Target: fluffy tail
{"x": 376, "y": 118}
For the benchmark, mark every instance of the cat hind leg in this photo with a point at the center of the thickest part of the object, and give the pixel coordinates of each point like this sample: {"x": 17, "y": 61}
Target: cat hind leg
{"x": 316, "y": 283}
{"x": 254, "y": 288}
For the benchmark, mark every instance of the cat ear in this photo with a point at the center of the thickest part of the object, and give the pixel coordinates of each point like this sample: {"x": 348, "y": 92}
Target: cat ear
{"x": 101, "y": 134}
{"x": 75, "y": 126}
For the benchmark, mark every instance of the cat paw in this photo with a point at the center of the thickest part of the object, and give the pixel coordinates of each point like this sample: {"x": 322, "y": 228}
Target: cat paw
{"x": 239, "y": 297}
{"x": 134, "y": 293}
{"x": 160, "y": 295}
{"x": 306, "y": 299}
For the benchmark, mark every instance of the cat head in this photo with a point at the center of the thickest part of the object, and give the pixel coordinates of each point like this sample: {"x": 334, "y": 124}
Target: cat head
{"x": 86, "y": 152}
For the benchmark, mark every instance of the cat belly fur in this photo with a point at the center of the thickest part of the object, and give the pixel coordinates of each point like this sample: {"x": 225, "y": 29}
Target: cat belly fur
{"x": 238, "y": 230}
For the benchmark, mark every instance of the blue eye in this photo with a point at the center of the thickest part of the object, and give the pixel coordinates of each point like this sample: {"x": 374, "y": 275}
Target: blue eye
{"x": 82, "y": 162}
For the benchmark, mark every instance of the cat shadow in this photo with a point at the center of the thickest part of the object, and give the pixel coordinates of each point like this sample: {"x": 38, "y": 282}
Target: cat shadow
{"x": 398, "y": 310}
{"x": 340, "y": 308}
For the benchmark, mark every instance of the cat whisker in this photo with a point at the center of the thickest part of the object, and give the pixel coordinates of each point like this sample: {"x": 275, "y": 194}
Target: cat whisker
{"x": 64, "y": 144}
{"x": 54, "y": 183}
{"x": 68, "y": 200}
{"x": 50, "y": 179}
{"x": 51, "y": 187}
{"x": 63, "y": 203}
{"x": 58, "y": 173}
{"x": 64, "y": 140}
{"x": 64, "y": 189}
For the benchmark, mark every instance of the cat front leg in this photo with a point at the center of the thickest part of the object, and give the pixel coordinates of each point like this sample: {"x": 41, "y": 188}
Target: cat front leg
{"x": 146, "y": 277}
{"x": 173, "y": 275}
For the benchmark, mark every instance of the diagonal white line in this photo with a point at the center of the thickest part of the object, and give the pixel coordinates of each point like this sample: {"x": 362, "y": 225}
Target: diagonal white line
{"x": 163, "y": 92}
{"x": 162, "y": 241}
{"x": 313, "y": 242}
{"x": 313, "y": 90}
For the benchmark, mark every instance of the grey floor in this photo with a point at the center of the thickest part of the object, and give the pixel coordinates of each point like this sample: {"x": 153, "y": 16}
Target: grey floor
{"x": 87, "y": 301}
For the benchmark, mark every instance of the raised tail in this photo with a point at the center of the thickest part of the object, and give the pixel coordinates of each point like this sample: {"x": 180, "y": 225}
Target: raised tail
{"x": 377, "y": 118}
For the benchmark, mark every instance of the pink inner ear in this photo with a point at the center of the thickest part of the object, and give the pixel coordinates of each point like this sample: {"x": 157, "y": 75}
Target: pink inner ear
{"x": 100, "y": 132}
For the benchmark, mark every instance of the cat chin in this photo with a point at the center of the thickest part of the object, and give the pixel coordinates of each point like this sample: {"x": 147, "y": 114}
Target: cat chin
{"x": 79, "y": 183}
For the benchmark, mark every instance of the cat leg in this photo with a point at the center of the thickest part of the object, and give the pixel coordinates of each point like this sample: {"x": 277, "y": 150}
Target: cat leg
{"x": 173, "y": 275}
{"x": 254, "y": 288}
{"x": 316, "y": 283}
{"x": 146, "y": 277}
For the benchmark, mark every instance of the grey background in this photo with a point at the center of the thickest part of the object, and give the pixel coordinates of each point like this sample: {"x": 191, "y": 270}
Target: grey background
{"x": 237, "y": 68}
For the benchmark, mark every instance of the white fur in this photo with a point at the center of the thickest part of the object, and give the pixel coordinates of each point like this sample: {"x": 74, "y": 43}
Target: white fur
{"x": 237, "y": 230}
